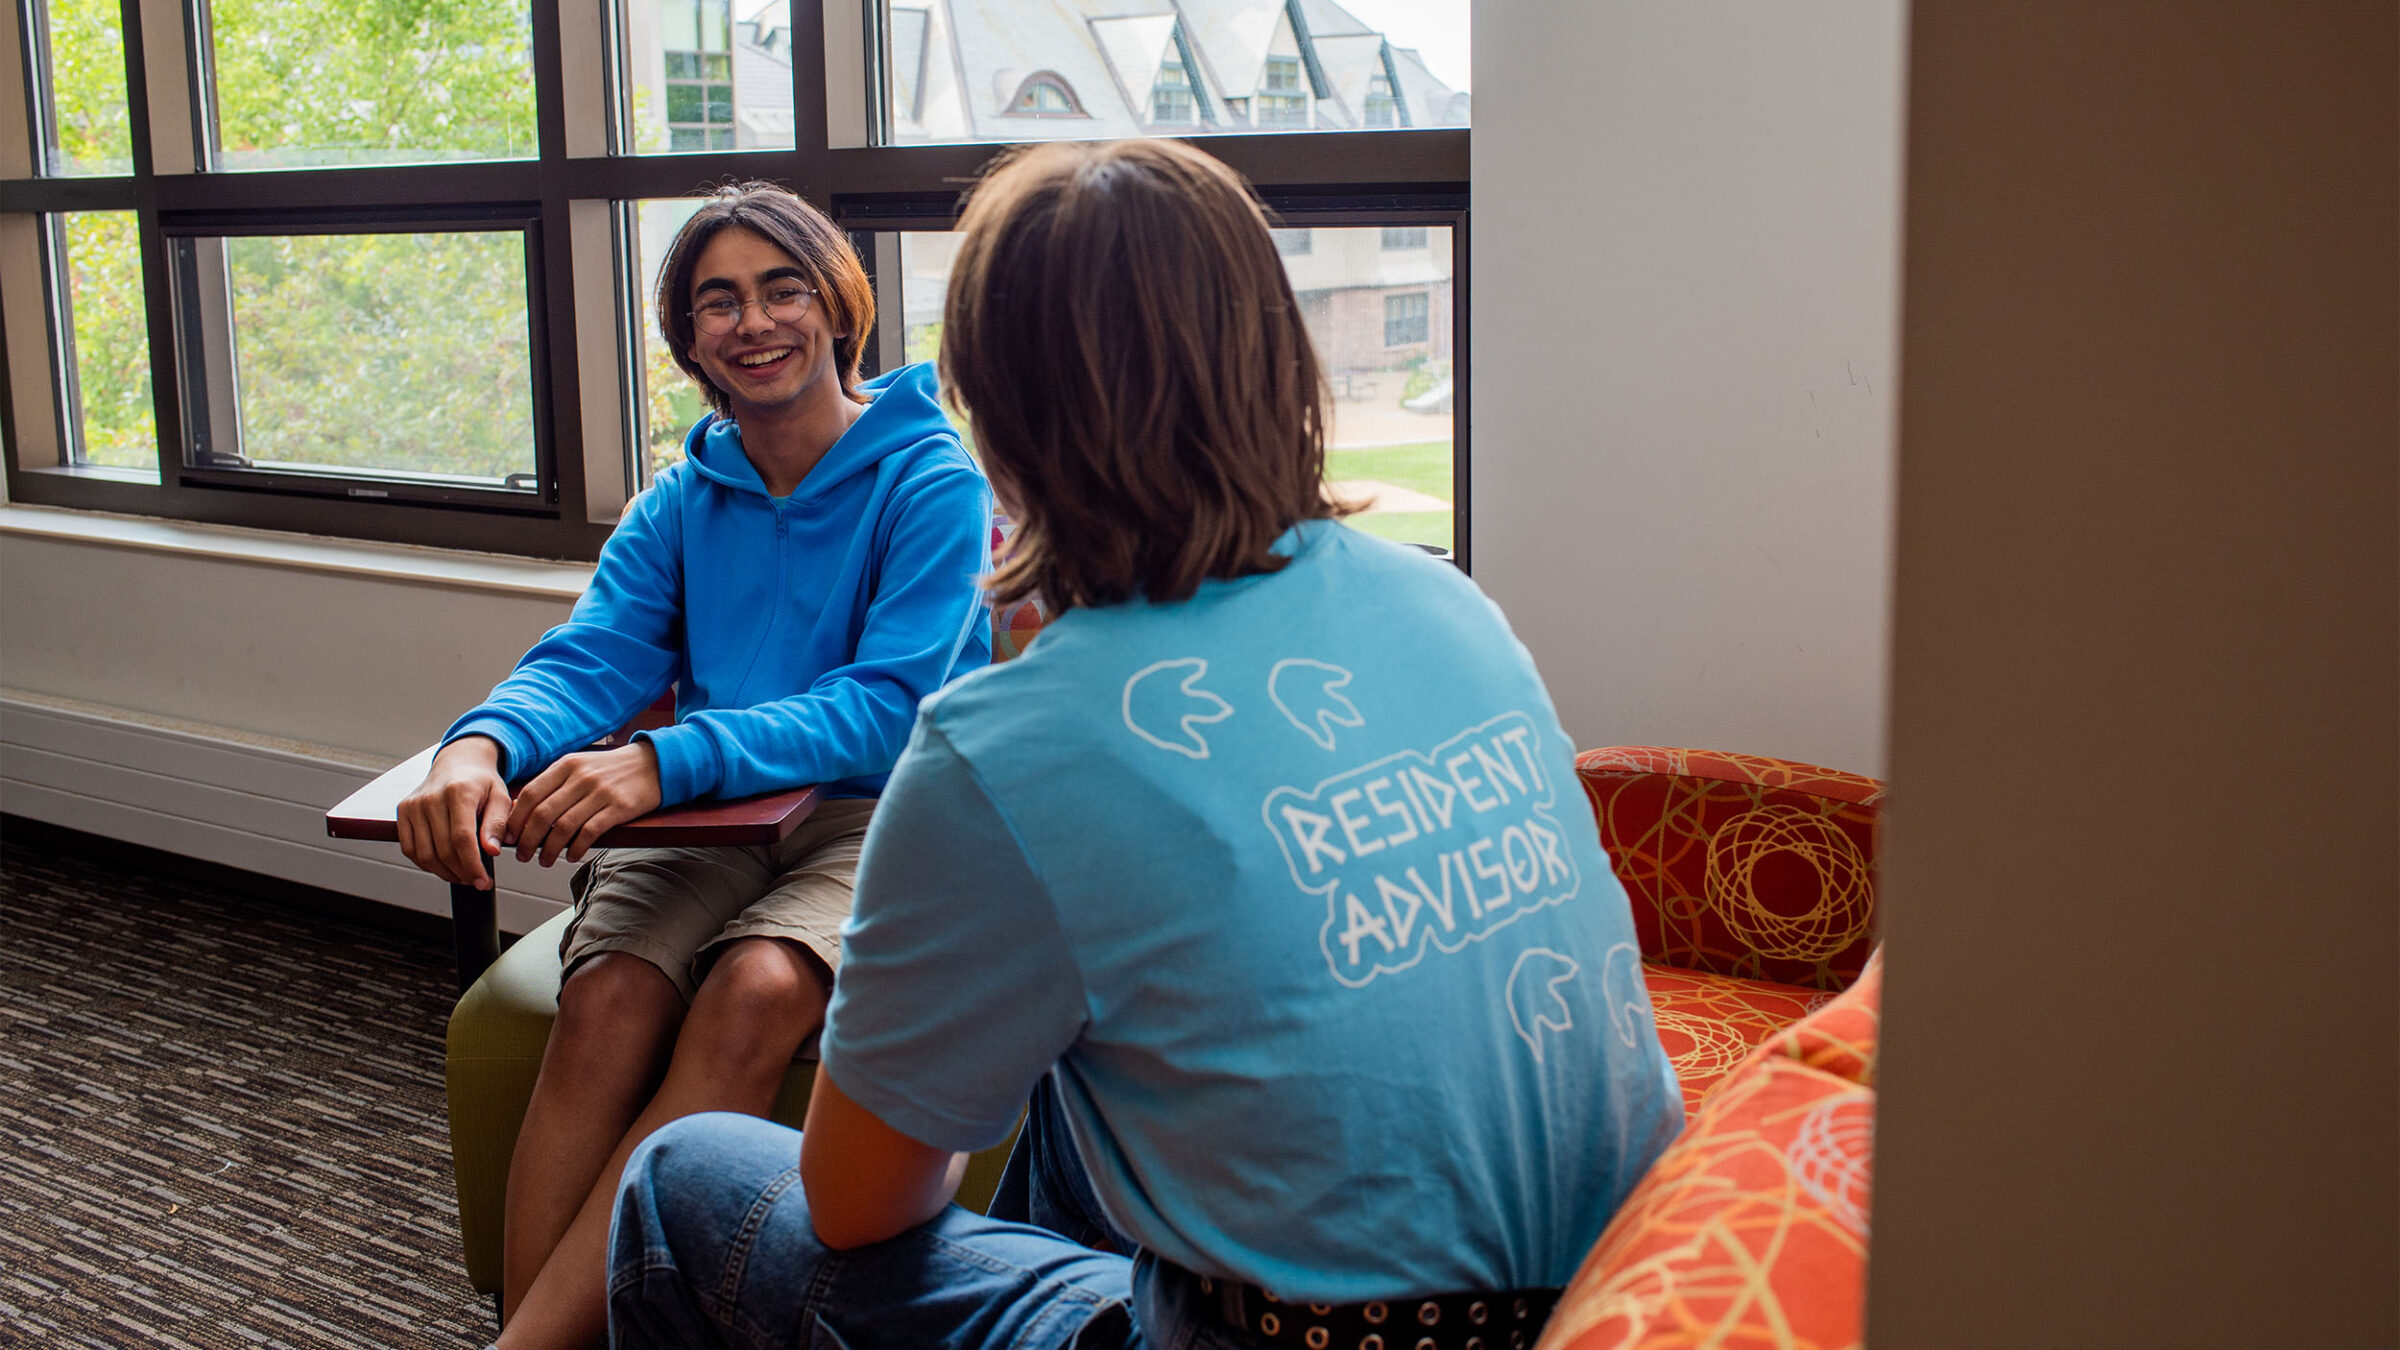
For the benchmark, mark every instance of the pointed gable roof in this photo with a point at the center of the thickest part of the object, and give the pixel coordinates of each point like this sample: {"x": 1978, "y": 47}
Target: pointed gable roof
{"x": 1431, "y": 103}
{"x": 1231, "y": 38}
{"x": 1350, "y": 62}
{"x": 1136, "y": 46}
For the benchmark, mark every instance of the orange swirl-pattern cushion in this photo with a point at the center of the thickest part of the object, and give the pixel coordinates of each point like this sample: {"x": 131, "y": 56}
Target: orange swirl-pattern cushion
{"x": 1709, "y": 1024}
{"x": 1751, "y": 1229}
{"x": 1841, "y": 1037}
{"x": 1740, "y": 865}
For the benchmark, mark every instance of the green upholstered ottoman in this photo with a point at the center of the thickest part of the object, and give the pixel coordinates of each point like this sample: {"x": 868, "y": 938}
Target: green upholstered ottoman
{"x": 496, "y": 1037}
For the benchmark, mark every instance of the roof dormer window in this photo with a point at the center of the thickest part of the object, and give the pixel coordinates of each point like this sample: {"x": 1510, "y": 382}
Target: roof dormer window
{"x": 1283, "y": 95}
{"x": 1044, "y": 94}
{"x": 1171, "y": 100}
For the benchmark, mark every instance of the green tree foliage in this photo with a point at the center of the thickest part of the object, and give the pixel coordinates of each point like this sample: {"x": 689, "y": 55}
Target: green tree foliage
{"x": 112, "y": 341}
{"x": 372, "y": 81}
{"x": 397, "y": 351}
{"x": 675, "y": 403}
{"x": 391, "y": 351}
{"x": 672, "y": 403}
{"x": 87, "y": 65}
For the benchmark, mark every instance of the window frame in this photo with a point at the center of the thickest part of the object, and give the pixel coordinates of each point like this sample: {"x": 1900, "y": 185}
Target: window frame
{"x": 584, "y": 302}
{"x": 201, "y": 363}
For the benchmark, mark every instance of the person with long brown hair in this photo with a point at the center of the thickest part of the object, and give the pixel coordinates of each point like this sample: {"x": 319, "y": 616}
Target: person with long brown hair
{"x": 802, "y": 578}
{"x": 1263, "y": 874}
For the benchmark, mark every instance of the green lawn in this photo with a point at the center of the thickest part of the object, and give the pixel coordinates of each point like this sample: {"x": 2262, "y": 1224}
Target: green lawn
{"x": 1421, "y": 467}
{"x": 1408, "y": 527}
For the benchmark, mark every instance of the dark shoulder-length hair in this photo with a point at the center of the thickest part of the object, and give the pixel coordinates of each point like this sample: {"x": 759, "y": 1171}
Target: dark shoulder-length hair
{"x": 1127, "y": 349}
{"x": 826, "y": 260}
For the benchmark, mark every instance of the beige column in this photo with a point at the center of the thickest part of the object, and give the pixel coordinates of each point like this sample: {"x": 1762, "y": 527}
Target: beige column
{"x": 2139, "y": 1085}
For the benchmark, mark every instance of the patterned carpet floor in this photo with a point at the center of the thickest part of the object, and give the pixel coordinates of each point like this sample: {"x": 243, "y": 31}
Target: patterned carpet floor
{"x": 221, "y": 1121}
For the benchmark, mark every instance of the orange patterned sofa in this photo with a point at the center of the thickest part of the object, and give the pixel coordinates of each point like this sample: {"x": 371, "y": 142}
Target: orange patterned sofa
{"x": 1753, "y": 890}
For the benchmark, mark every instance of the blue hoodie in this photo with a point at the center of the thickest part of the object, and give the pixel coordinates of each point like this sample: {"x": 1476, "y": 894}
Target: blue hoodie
{"x": 800, "y": 631}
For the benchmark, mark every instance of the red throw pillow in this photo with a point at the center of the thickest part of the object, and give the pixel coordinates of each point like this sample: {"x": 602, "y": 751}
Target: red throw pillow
{"x": 1750, "y": 1231}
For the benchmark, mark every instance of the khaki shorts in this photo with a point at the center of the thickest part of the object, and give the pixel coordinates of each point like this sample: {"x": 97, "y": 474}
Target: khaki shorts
{"x": 673, "y": 907}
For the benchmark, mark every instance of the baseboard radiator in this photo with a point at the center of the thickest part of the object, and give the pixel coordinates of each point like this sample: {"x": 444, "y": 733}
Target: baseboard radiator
{"x": 224, "y": 797}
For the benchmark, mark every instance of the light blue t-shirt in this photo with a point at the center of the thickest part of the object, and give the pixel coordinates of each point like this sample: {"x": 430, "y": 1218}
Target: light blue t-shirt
{"x": 1294, "y": 885}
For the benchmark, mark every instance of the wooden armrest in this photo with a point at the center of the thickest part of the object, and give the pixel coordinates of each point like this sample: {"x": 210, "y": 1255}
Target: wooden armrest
{"x": 373, "y": 812}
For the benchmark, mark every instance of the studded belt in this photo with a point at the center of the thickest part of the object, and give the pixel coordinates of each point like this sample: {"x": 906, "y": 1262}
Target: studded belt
{"x": 1507, "y": 1319}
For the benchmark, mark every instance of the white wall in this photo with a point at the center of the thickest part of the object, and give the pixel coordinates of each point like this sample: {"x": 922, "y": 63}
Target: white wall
{"x": 211, "y": 692}
{"x": 1684, "y": 276}
{"x": 377, "y": 667}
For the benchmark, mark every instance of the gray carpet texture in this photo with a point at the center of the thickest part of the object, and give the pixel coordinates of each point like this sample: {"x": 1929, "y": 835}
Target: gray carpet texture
{"x": 221, "y": 1120}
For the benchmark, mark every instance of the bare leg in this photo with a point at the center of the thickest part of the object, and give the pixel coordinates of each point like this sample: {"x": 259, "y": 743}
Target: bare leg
{"x": 760, "y": 1000}
{"x": 617, "y": 1019}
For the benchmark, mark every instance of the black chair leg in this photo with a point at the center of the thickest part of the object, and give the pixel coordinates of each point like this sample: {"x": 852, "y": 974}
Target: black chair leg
{"x": 475, "y": 927}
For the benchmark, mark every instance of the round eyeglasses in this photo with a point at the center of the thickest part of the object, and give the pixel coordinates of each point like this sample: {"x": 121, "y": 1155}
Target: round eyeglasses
{"x": 783, "y": 302}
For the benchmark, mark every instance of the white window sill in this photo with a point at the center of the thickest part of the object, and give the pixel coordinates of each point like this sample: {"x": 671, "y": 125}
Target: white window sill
{"x": 455, "y": 569}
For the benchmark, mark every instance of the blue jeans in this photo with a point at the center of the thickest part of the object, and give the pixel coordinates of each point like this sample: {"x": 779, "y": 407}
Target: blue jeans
{"x": 712, "y": 1246}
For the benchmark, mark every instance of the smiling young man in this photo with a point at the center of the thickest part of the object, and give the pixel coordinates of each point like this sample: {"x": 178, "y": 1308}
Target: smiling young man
{"x": 803, "y": 578}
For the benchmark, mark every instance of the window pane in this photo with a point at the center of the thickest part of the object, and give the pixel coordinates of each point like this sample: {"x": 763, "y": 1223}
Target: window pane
{"x": 111, "y": 341}
{"x": 90, "y": 133}
{"x": 671, "y": 402}
{"x": 318, "y": 82}
{"x": 924, "y": 287}
{"x": 1380, "y": 320}
{"x": 390, "y": 353}
{"x": 708, "y": 75}
{"x": 958, "y": 71}
{"x": 1381, "y": 325}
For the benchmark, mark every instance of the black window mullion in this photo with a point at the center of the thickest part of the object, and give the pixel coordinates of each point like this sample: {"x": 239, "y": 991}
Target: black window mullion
{"x": 42, "y": 196}
{"x": 158, "y": 306}
{"x": 876, "y": 29}
{"x": 373, "y": 187}
{"x": 557, "y": 396}
{"x": 810, "y": 158}
{"x": 1397, "y": 162}
{"x": 1461, "y": 395}
{"x": 558, "y": 429}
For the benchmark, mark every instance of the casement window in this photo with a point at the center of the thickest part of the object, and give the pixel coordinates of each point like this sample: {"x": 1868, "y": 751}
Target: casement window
{"x": 1282, "y": 98}
{"x": 1407, "y": 319}
{"x": 1171, "y": 102}
{"x": 384, "y": 272}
